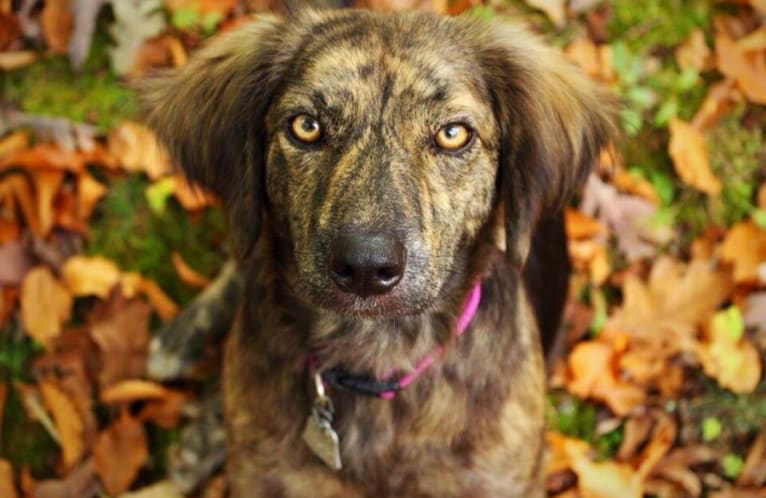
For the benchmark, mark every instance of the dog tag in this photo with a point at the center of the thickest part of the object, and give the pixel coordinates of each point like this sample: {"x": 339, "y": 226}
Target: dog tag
{"x": 319, "y": 435}
{"x": 322, "y": 439}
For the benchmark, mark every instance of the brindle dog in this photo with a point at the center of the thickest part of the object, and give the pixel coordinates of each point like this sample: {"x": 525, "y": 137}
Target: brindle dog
{"x": 376, "y": 168}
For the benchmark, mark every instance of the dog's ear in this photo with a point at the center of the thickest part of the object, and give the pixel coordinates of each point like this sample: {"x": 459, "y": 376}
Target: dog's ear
{"x": 210, "y": 115}
{"x": 553, "y": 122}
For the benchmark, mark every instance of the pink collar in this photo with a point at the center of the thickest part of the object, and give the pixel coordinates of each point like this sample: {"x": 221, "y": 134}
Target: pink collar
{"x": 387, "y": 388}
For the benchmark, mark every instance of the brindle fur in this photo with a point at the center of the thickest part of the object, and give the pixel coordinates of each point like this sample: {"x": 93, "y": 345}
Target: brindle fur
{"x": 382, "y": 85}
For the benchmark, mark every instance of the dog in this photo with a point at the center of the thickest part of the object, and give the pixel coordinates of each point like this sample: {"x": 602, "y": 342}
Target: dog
{"x": 394, "y": 185}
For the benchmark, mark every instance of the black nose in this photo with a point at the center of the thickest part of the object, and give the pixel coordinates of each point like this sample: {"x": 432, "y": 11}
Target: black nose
{"x": 367, "y": 264}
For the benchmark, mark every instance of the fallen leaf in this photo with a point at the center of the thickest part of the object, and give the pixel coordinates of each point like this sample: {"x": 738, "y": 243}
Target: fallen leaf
{"x": 592, "y": 366}
{"x": 689, "y": 153}
{"x": 7, "y": 487}
{"x": 191, "y": 197}
{"x": 15, "y": 141}
{"x": 163, "y": 51}
{"x": 90, "y": 275}
{"x": 662, "y": 316}
{"x": 134, "y": 23}
{"x": 68, "y": 423}
{"x": 439, "y": 6}
{"x": 187, "y": 274}
{"x": 127, "y": 391}
{"x": 137, "y": 149}
{"x": 580, "y": 226}
{"x": 47, "y": 184}
{"x": 56, "y": 22}
{"x": 755, "y": 311}
{"x": 119, "y": 453}
{"x": 636, "y": 185}
{"x": 120, "y": 328}
{"x": 89, "y": 192}
{"x": 202, "y": 6}
{"x": 747, "y": 69}
{"x": 69, "y": 136}
{"x": 165, "y": 412}
{"x": 694, "y": 52}
{"x": 745, "y": 248}
{"x": 603, "y": 480}
{"x": 80, "y": 483}
{"x": 10, "y": 61}
{"x": 554, "y": 9}
{"x": 754, "y": 469}
{"x": 45, "y": 305}
{"x": 727, "y": 356}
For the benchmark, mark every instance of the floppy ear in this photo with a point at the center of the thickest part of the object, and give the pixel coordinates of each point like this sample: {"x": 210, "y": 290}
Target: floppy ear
{"x": 210, "y": 113}
{"x": 553, "y": 121}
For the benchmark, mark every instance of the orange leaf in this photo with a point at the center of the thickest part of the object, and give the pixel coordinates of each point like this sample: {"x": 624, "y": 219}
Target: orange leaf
{"x": 762, "y": 196}
{"x": 56, "y": 22}
{"x": 733, "y": 61}
{"x": 45, "y": 305}
{"x": 689, "y": 153}
{"x": 136, "y": 148}
{"x": 165, "y": 412}
{"x": 90, "y": 275}
{"x": 187, "y": 274}
{"x": 694, "y": 52}
{"x": 68, "y": 422}
{"x": 119, "y": 453}
{"x": 133, "y": 390}
{"x": 202, "y": 6}
{"x": 7, "y": 488}
{"x": 581, "y": 226}
{"x": 15, "y": 141}
{"x": 602, "y": 480}
{"x": 745, "y": 248}
{"x": 191, "y": 197}
{"x": 89, "y": 192}
{"x": 47, "y": 184}
{"x": 161, "y": 302}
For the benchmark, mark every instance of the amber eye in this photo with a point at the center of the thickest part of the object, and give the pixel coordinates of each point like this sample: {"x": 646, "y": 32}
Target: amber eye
{"x": 305, "y": 128}
{"x": 453, "y": 136}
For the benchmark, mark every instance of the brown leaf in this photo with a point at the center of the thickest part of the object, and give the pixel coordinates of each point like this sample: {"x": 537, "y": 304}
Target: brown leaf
{"x": 45, "y": 305}
{"x": 68, "y": 423}
{"x": 136, "y": 148}
{"x": 47, "y": 184}
{"x": 90, "y": 275}
{"x": 748, "y": 69}
{"x": 165, "y": 412}
{"x": 15, "y": 261}
{"x": 120, "y": 328}
{"x": 13, "y": 142}
{"x": 191, "y": 197}
{"x": 163, "y": 489}
{"x": 745, "y": 248}
{"x": 162, "y": 51}
{"x": 10, "y": 61}
{"x": 56, "y": 22}
{"x": 187, "y": 274}
{"x": 133, "y": 390}
{"x": 689, "y": 153}
{"x": 762, "y": 196}
{"x": 202, "y": 6}
{"x": 89, "y": 192}
{"x": 119, "y": 453}
{"x": 7, "y": 487}
{"x": 754, "y": 468}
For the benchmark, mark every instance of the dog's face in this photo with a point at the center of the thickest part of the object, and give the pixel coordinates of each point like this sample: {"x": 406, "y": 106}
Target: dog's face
{"x": 379, "y": 146}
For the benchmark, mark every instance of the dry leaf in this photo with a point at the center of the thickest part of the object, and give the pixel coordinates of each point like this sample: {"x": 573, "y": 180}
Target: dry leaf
{"x": 580, "y": 226}
{"x": 10, "y": 61}
{"x": 14, "y": 142}
{"x": 603, "y": 480}
{"x": 728, "y": 357}
{"x": 633, "y": 184}
{"x": 754, "y": 468}
{"x": 202, "y": 6}
{"x": 136, "y": 148}
{"x": 749, "y": 70}
{"x": 762, "y": 196}
{"x": 56, "y": 21}
{"x": 592, "y": 366}
{"x": 745, "y": 248}
{"x": 68, "y": 423}
{"x": 90, "y": 275}
{"x": 89, "y": 192}
{"x": 689, "y": 153}
{"x": 187, "y": 274}
{"x": 45, "y": 305}
{"x": 165, "y": 412}
{"x": 7, "y": 487}
{"x": 163, "y": 51}
{"x": 120, "y": 328}
{"x": 47, "y": 184}
{"x": 127, "y": 391}
{"x": 191, "y": 197}
{"x": 119, "y": 453}
{"x": 80, "y": 483}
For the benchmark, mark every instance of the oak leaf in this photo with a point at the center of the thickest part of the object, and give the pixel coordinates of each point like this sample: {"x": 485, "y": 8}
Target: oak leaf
{"x": 45, "y": 305}
{"x": 137, "y": 150}
{"x": 119, "y": 453}
{"x": 689, "y": 153}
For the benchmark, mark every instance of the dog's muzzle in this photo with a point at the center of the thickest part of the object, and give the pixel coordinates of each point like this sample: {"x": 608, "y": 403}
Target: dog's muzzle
{"x": 367, "y": 264}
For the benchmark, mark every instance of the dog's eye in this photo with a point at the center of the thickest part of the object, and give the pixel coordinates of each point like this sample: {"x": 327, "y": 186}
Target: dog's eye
{"x": 453, "y": 136}
{"x": 305, "y": 128}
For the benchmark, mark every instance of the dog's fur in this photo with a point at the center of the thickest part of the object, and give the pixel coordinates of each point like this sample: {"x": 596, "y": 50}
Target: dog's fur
{"x": 382, "y": 85}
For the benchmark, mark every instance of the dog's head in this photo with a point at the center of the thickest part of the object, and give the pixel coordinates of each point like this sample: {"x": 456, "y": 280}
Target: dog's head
{"x": 380, "y": 147}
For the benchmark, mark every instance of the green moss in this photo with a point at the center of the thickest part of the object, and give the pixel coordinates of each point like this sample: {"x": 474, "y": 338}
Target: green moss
{"x": 652, "y": 23}
{"x": 126, "y": 230}
{"x": 92, "y": 95}
{"x": 570, "y": 415}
